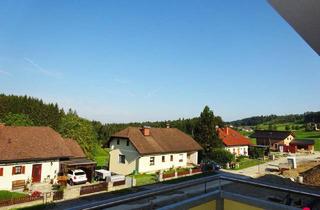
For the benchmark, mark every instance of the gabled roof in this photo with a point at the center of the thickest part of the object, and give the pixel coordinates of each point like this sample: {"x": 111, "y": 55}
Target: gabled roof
{"x": 160, "y": 140}
{"x": 268, "y": 134}
{"x": 19, "y": 143}
{"x": 303, "y": 142}
{"x": 74, "y": 148}
{"x": 231, "y": 137}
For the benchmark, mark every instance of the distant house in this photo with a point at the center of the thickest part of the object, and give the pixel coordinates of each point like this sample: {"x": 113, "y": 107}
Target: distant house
{"x": 273, "y": 138}
{"x": 298, "y": 145}
{"x": 233, "y": 141}
{"x": 246, "y": 129}
{"x": 147, "y": 149}
{"x": 34, "y": 155}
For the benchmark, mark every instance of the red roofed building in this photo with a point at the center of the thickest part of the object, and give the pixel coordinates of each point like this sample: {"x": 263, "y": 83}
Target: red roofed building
{"x": 233, "y": 141}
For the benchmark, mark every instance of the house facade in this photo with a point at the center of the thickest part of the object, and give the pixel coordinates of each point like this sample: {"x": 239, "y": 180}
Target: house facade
{"x": 31, "y": 155}
{"x": 273, "y": 139}
{"x": 233, "y": 141}
{"x": 145, "y": 150}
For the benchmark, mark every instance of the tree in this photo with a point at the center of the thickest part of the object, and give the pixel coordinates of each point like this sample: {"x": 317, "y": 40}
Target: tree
{"x": 287, "y": 127}
{"x": 205, "y": 132}
{"x": 12, "y": 119}
{"x": 221, "y": 156}
{"x": 81, "y": 130}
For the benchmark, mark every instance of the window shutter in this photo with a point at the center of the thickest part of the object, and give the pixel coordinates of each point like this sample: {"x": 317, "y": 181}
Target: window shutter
{"x": 23, "y": 169}
{"x": 13, "y": 170}
{"x": 1, "y": 171}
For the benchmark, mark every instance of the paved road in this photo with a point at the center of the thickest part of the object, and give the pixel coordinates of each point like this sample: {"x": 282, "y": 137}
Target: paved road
{"x": 260, "y": 170}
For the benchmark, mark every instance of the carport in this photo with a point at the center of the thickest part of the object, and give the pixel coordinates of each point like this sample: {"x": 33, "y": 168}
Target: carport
{"x": 86, "y": 165}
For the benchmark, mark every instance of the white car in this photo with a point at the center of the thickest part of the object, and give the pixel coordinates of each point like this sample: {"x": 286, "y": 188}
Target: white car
{"x": 77, "y": 176}
{"x": 108, "y": 176}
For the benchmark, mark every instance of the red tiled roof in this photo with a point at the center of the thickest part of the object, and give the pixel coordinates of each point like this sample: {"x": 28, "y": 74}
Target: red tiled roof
{"x": 160, "y": 140}
{"x": 231, "y": 137}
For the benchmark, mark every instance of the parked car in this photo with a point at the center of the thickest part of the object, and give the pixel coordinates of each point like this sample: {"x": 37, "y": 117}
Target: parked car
{"x": 209, "y": 165}
{"x": 102, "y": 175}
{"x": 108, "y": 176}
{"x": 77, "y": 176}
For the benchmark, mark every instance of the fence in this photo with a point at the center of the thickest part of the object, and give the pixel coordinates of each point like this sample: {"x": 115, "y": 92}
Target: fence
{"x": 118, "y": 183}
{"x": 94, "y": 188}
{"x": 189, "y": 172}
{"x": 58, "y": 195}
{"x": 19, "y": 200}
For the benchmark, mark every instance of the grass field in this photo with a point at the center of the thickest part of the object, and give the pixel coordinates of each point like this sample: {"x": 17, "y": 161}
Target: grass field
{"x": 6, "y": 195}
{"x": 101, "y": 156}
{"x": 246, "y": 162}
{"x": 143, "y": 179}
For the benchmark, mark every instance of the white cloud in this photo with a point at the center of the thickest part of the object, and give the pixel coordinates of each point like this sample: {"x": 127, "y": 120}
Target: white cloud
{"x": 42, "y": 70}
{"x": 5, "y": 73}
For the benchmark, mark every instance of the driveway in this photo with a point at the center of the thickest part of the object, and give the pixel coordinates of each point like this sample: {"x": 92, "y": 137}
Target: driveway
{"x": 260, "y": 170}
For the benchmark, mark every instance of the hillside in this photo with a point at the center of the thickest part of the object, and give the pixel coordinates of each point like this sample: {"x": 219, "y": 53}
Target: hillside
{"x": 307, "y": 117}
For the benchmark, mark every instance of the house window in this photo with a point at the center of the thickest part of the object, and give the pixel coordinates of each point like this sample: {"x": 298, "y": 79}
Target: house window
{"x": 163, "y": 158}
{"x": 151, "y": 161}
{"x": 1, "y": 171}
{"x": 180, "y": 157}
{"x": 18, "y": 170}
{"x": 128, "y": 142}
{"x": 118, "y": 141}
{"x": 122, "y": 159}
{"x": 171, "y": 158}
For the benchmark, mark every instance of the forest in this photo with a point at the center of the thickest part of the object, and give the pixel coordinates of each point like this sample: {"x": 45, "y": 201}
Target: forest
{"x": 91, "y": 135}
{"x": 307, "y": 117}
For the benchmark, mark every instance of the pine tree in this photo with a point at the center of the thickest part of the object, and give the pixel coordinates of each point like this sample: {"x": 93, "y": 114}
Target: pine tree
{"x": 205, "y": 131}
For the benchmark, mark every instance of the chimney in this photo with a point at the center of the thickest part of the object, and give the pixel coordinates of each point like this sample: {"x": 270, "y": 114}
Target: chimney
{"x": 146, "y": 130}
{"x": 226, "y": 130}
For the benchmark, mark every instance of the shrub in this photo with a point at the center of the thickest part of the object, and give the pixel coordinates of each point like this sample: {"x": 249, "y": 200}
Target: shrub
{"x": 256, "y": 152}
{"x": 221, "y": 156}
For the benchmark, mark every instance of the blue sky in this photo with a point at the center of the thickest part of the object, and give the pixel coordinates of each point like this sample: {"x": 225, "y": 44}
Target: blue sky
{"x": 121, "y": 61}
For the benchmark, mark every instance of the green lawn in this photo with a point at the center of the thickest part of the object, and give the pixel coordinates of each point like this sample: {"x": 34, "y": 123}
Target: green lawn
{"x": 6, "y": 195}
{"x": 143, "y": 179}
{"x": 102, "y": 156}
{"x": 246, "y": 162}
{"x": 280, "y": 126}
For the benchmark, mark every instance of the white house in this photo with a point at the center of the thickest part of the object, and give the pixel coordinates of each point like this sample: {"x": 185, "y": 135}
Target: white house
{"x": 233, "y": 141}
{"x": 151, "y": 149}
{"x": 31, "y": 155}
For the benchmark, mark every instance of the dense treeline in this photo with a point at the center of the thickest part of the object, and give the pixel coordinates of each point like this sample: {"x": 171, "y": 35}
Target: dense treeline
{"x": 312, "y": 117}
{"x": 29, "y": 111}
{"x": 269, "y": 119}
{"x": 37, "y": 112}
